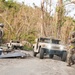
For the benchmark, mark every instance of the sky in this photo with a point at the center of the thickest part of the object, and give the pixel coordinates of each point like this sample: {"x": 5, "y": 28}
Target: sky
{"x": 30, "y": 2}
{"x": 70, "y": 8}
{"x": 37, "y": 2}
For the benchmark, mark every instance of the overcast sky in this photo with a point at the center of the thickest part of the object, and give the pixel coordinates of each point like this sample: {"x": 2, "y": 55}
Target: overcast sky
{"x": 37, "y": 2}
{"x": 70, "y": 8}
{"x": 30, "y": 2}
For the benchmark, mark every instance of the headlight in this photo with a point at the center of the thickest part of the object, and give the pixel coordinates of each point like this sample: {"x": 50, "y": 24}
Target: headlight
{"x": 49, "y": 46}
{"x": 62, "y": 48}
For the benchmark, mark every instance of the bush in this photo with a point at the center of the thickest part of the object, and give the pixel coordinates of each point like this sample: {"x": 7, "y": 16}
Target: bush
{"x": 26, "y": 47}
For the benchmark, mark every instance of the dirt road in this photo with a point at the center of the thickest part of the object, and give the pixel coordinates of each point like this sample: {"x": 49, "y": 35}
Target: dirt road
{"x": 35, "y": 66}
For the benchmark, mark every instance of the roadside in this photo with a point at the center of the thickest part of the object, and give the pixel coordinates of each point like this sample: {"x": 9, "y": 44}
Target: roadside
{"x": 35, "y": 66}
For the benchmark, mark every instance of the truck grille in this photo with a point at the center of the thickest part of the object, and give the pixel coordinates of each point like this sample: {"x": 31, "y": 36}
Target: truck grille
{"x": 54, "y": 47}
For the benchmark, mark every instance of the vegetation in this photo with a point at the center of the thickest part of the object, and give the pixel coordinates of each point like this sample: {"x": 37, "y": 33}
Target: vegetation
{"x": 23, "y": 22}
{"x": 26, "y": 47}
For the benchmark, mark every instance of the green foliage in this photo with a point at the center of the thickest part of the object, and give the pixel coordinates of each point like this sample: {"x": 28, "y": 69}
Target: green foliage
{"x": 61, "y": 9}
{"x": 30, "y": 38}
{"x": 11, "y": 4}
{"x": 74, "y": 21}
{"x": 26, "y": 47}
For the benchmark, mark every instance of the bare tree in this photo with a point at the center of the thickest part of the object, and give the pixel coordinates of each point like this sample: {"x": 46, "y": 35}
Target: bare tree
{"x": 42, "y": 15}
{"x": 59, "y": 17}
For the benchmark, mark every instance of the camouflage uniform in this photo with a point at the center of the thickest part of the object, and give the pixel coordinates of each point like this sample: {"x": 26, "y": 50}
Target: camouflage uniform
{"x": 1, "y": 33}
{"x": 71, "y": 50}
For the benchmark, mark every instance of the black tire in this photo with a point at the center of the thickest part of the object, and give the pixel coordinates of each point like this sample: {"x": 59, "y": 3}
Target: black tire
{"x": 34, "y": 54}
{"x": 64, "y": 56}
{"x": 51, "y": 56}
{"x": 41, "y": 53}
{"x": 21, "y": 48}
{"x": 14, "y": 47}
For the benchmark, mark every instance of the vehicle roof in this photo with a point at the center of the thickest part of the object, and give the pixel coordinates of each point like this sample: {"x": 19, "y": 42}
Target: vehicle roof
{"x": 50, "y": 38}
{"x": 15, "y": 41}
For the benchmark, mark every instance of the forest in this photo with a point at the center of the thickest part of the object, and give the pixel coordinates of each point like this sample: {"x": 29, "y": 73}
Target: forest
{"x": 23, "y": 22}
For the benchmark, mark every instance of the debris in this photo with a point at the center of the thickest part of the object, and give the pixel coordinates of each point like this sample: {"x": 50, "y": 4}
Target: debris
{"x": 12, "y": 54}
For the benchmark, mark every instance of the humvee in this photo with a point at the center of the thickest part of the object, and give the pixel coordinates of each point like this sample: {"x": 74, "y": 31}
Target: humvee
{"x": 15, "y": 44}
{"x": 49, "y": 46}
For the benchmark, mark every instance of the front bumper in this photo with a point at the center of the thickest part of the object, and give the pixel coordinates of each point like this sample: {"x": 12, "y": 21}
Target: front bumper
{"x": 54, "y": 52}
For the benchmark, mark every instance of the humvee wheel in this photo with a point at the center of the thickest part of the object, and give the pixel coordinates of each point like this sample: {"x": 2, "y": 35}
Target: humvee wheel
{"x": 34, "y": 54}
{"x": 41, "y": 53}
{"x": 64, "y": 56}
{"x": 51, "y": 55}
{"x": 21, "y": 48}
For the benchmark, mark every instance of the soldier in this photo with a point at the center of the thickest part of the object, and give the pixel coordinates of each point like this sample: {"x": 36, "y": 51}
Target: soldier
{"x": 1, "y": 32}
{"x": 71, "y": 50}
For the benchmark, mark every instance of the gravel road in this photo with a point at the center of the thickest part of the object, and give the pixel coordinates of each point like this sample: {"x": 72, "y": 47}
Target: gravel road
{"x": 35, "y": 66}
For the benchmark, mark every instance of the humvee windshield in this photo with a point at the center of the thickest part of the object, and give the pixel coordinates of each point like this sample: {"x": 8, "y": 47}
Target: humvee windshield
{"x": 48, "y": 40}
{"x": 45, "y": 40}
{"x": 15, "y": 41}
{"x": 55, "y": 41}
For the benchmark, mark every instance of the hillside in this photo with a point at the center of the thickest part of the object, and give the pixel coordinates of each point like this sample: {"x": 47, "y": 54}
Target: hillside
{"x": 23, "y": 22}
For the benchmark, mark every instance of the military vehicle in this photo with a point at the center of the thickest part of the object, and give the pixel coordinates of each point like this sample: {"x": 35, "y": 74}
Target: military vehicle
{"x": 49, "y": 46}
{"x": 15, "y": 44}
{"x": 8, "y": 53}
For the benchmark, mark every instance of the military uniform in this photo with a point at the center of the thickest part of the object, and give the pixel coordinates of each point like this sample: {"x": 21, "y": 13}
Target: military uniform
{"x": 1, "y": 34}
{"x": 71, "y": 50}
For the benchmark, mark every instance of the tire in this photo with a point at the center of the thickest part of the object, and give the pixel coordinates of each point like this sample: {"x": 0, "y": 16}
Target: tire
{"x": 64, "y": 56}
{"x": 21, "y": 48}
{"x": 34, "y": 54}
{"x": 41, "y": 53}
{"x": 51, "y": 56}
{"x": 14, "y": 47}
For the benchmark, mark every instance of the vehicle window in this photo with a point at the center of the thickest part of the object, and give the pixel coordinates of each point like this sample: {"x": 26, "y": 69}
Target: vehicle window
{"x": 18, "y": 42}
{"x": 44, "y": 40}
{"x": 55, "y": 41}
{"x": 15, "y": 41}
